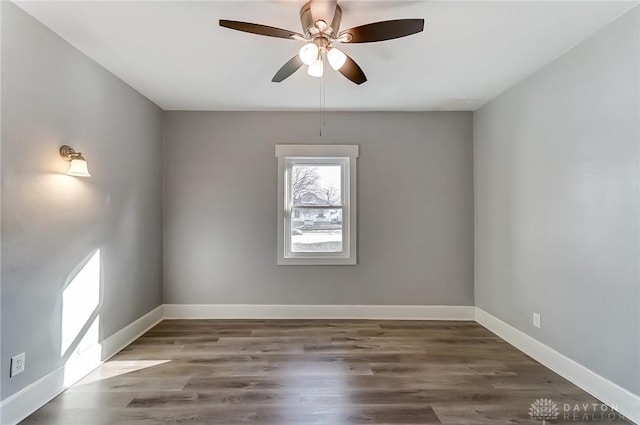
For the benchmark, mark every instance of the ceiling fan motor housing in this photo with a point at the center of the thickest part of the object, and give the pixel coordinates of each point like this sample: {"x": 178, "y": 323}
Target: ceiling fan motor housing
{"x": 309, "y": 25}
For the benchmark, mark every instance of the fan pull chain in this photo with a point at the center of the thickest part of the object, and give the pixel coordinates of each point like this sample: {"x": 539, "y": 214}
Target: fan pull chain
{"x": 323, "y": 102}
{"x": 320, "y": 101}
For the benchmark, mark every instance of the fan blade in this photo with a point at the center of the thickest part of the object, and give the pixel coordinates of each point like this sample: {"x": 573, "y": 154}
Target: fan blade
{"x": 287, "y": 69}
{"x": 258, "y": 29}
{"x": 385, "y": 30}
{"x": 323, "y": 10}
{"x": 352, "y": 71}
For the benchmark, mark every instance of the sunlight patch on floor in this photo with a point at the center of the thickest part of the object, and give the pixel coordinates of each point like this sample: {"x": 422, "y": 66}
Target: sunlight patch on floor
{"x": 117, "y": 368}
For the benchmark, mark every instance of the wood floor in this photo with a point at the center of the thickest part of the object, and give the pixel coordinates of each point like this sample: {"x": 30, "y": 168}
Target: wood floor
{"x": 325, "y": 372}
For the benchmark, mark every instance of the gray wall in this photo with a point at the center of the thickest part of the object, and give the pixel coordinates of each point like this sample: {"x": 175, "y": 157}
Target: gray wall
{"x": 556, "y": 203}
{"x": 52, "y": 95}
{"x": 415, "y": 207}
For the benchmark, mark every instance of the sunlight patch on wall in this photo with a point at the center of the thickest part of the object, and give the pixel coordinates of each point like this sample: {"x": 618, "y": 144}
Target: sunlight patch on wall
{"x": 86, "y": 356}
{"x": 80, "y": 300}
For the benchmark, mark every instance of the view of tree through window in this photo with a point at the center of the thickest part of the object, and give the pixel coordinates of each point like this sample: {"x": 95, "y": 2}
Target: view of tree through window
{"x": 316, "y": 224}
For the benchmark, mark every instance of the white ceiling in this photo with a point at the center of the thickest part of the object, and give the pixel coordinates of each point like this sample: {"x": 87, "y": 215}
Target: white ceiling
{"x": 175, "y": 53}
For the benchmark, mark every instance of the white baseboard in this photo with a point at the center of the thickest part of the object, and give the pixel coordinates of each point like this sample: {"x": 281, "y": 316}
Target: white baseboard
{"x": 20, "y": 405}
{"x": 290, "y": 311}
{"x": 23, "y": 403}
{"x": 125, "y": 336}
{"x": 625, "y": 402}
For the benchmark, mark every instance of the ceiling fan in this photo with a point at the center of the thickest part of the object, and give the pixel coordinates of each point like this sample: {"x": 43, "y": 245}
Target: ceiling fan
{"x": 321, "y": 29}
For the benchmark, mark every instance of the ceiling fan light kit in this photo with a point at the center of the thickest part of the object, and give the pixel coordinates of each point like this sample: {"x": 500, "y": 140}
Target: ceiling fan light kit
{"x": 309, "y": 53}
{"x": 319, "y": 37}
{"x": 336, "y": 58}
{"x": 316, "y": 69}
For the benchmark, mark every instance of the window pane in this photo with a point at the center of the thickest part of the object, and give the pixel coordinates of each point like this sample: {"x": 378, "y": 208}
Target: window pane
{"x": 316, "y": 230}
{"x": 315, "y": 185}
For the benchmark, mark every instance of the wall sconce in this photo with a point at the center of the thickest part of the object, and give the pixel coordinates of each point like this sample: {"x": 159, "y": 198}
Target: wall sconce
{"x": 77, "y": 163}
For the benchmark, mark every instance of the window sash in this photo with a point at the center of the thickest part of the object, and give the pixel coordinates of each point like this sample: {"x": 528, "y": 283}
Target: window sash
{"x": 312, "y": 254}
{"x": 344, "y": 163}
{"x": 319, "y": 207}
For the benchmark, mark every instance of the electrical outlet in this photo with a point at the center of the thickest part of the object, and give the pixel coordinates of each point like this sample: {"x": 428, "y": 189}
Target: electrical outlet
{"x": 17, "y": 364}
{"x": 536, "y": 320}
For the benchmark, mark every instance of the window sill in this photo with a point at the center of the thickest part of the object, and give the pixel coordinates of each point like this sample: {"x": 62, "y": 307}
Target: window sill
{"x": 317, "y": 262}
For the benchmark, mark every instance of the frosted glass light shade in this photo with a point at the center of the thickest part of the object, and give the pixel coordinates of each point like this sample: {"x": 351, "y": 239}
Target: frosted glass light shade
{"x": 336, "y": 58}
{"x": 308, "y": 53}
{"x": 78, "y": 167}
{"x": 316, "y": 69}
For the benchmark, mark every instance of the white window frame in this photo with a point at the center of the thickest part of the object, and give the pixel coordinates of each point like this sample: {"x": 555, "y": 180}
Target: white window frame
{"x": 343, "y": 155}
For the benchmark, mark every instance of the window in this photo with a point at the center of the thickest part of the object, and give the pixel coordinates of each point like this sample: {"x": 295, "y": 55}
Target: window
{"x": 316, "y": 204}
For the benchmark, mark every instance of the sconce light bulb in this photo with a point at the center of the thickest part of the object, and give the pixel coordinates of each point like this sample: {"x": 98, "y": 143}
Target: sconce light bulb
{"x": 78, "y": 168}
